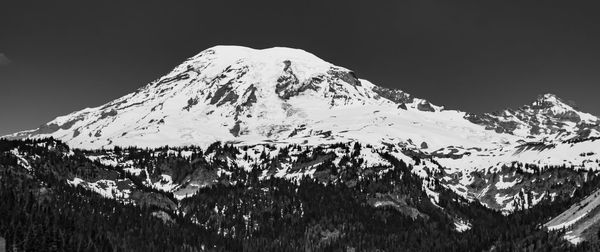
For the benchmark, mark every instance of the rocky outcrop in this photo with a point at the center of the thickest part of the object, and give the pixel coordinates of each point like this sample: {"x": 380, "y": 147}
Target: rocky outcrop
{"x": 346, "y": 76}
{"x": 394, "y": 95}
{"x": 425, "y": 106}
{"x": 288, "y": 84}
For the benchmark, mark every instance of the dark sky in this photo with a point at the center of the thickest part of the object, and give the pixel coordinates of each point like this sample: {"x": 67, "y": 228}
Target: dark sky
{"x": 480, "y": 56}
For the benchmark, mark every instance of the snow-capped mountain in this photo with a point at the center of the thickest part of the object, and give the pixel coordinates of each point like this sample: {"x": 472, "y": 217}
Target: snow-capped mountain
{"x": 548, "y": 117}
{"x": 282, "y": 97}
{"x": 238, "y": 94}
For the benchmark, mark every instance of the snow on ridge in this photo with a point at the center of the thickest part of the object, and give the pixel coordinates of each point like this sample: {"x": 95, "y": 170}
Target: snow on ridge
{"x": 462, "y": 226}
{"x": 21, "y": 161}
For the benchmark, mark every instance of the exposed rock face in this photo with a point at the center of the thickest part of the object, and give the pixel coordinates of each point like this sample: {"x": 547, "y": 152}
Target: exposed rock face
{"x": 287, "y": 84}
{"x": 346, "y": 76}
{"x": 491, "y": 123}
{"x": 405, "y": 100}
{"x": 425, "y": 106}
{"x": 235, "y": 131}
{"x": 394, "y": 95}
{"x": 191, "y": 102}
{"x": 108, "y": 113}
{"x": 571, "y": 116}
{"x": 250, "y": 93}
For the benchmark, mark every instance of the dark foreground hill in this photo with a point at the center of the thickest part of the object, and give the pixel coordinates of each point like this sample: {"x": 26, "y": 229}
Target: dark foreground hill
{"x": 345, "y": 208}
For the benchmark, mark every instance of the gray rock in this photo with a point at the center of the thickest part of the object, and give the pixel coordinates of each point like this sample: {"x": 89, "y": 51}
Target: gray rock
{"x": 394, "y": 95}
{"x": 425, "y": 106}
{"x": 348, "y": 77}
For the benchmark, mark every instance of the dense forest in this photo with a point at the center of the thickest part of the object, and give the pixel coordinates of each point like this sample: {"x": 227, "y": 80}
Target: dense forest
{"x": 243, "y": 210}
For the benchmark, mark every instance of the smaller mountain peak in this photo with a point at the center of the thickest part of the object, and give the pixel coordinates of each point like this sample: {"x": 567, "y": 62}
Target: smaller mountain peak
{"x": 549, "y": 100}
{"x": 548, "y": 97}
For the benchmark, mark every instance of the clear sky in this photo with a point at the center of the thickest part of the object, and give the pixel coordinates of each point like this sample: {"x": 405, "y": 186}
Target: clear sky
{"x": 479, "y": 56}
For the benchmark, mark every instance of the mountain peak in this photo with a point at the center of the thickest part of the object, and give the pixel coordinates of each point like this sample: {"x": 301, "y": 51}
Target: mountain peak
{"x": 232, "y": 53}
{"x": 548, "y": 97}
{"x": 237, "y": 51}
{"x": 549, "y": 100}
{"x": 547, "y": 116}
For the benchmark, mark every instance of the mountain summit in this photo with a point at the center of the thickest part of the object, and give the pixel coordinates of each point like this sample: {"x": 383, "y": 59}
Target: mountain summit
{"x": 551, "y": 100}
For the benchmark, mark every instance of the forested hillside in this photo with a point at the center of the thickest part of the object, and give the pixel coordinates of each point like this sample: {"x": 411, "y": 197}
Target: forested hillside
{"x": 359, "y": 210}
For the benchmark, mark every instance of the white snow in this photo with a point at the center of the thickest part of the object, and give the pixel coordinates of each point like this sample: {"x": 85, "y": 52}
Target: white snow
{"x": 568, "y": 223}
{"x": 165, "y": 183}
{"x": 106, "y": 188}
{"x": 21, "y": 161}
{"x": 505, "y": 185}
{"x": 461, "y": 226}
